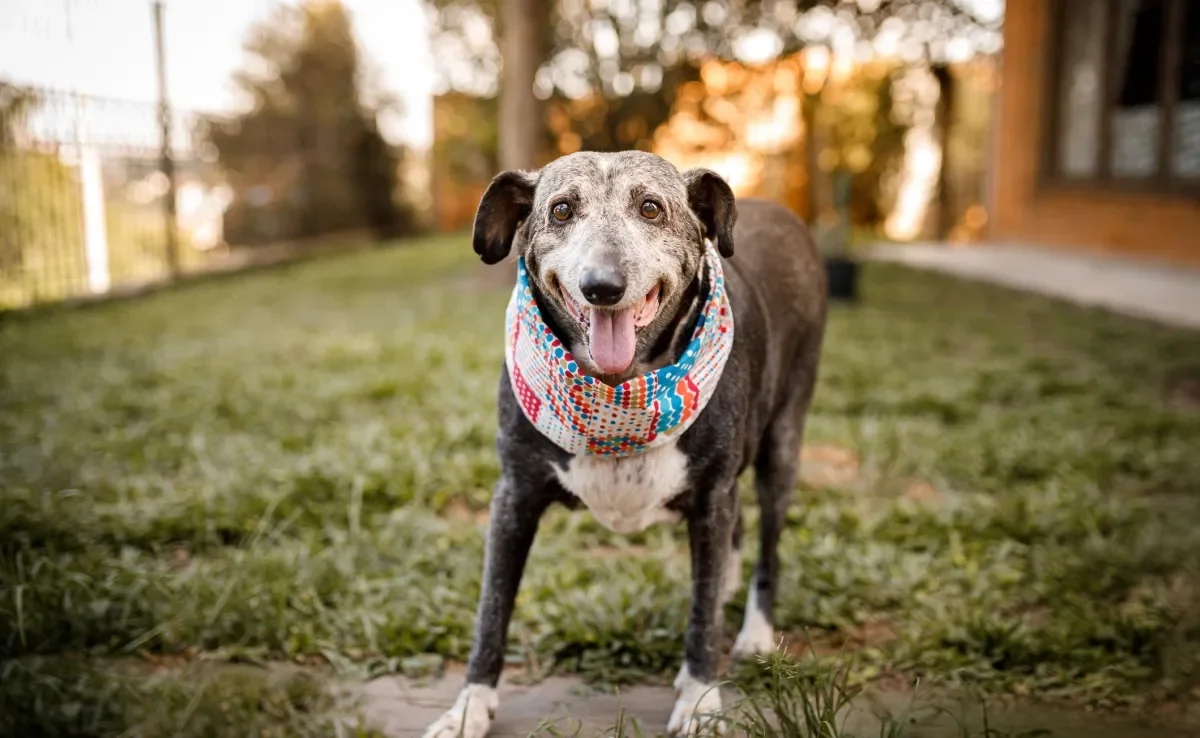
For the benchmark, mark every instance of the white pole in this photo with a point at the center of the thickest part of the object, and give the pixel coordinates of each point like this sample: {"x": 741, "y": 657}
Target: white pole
{"x": 95, "y": 225}
{"x": 91, "y": 181}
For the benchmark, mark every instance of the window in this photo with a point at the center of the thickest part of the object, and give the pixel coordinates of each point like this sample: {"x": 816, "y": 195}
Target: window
{"x": 1185, "y": 159}
{"x": 1126, "y": 85}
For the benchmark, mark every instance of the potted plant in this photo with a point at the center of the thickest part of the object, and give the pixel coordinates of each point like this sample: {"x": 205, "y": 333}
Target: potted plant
{"x": 841, "y": 268}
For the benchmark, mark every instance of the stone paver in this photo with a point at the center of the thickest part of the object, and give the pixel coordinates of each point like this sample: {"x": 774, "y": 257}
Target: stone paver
{"x": 1166, "y": 294}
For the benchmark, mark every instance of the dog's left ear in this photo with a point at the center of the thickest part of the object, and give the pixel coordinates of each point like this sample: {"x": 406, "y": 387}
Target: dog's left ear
{"x": 711, "y": 199}
{"x": 504, "y": 206}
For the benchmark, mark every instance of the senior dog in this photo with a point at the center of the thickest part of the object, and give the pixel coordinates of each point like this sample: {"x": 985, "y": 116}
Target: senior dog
{"x": 661, "y": 338}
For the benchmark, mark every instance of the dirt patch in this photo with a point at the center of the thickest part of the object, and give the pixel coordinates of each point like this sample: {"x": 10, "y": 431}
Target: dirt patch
{"x": 458, "y": 512}
{"x": 1183, "y": 392}
{"x": 826, "y": 466}
{"x": 919, "y": 491}
{"x": 181, "y": 556}
{"x": 871, "y": 634}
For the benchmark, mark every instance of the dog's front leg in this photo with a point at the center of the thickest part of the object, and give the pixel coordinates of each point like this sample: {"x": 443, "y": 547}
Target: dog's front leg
{"x": 711, "y": 524}
{"x": 513, "y": 523}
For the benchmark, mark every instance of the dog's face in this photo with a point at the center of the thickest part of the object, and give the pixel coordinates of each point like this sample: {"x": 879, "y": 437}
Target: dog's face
{"x": 611, "y": 243}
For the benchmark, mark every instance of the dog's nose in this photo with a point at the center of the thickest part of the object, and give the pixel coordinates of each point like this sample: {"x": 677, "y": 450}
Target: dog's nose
{"x": 602, "y": 286}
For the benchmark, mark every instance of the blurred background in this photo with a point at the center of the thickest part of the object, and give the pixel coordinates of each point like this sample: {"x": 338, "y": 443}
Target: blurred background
{"x": 218, "y": 501}
{"x": 145, "y": 140}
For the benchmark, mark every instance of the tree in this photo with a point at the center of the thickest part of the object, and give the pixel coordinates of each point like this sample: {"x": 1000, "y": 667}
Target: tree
{"x": 15, "y": 105}
{"x": 520, "y": 110}
{"x": 308, "y": 157}
{"x": 625, "y": 59}
{"x": 930, "y": 32}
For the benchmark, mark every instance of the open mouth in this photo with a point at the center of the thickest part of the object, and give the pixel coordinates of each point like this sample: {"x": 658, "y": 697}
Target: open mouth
{"x": 612, "y": 334}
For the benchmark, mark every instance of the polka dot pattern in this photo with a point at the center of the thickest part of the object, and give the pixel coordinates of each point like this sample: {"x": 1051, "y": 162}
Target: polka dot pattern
{"x": 580, "y": 413}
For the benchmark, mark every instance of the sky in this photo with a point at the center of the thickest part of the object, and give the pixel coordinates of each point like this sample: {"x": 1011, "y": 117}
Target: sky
{"x": 106, "y": 48}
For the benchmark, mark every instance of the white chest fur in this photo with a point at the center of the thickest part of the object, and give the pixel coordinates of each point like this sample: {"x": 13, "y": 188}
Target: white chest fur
{"x": 628, "y": 494}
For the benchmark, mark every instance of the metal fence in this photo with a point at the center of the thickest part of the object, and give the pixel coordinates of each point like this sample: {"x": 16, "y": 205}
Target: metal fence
{"x": 87, "y": 195}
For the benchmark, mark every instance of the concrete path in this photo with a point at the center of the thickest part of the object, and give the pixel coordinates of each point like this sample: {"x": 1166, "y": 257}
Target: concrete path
{"x": 402, "y": 708}
{"x": 1166, "y": 294}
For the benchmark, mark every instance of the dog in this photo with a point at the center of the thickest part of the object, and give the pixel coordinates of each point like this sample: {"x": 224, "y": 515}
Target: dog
{"x": 617, "y": 256}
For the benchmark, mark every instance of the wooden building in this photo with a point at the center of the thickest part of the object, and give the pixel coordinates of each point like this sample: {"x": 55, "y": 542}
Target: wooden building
{"x": 1098, "y": 127}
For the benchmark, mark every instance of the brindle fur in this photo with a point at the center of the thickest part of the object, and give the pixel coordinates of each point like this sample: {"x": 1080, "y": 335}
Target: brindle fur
{"x": 756, "y": 416}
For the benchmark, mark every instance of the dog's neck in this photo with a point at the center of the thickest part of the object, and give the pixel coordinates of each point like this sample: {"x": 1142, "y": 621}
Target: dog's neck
{"x": 669, "y": 345}
{"x": 665, "y": 347}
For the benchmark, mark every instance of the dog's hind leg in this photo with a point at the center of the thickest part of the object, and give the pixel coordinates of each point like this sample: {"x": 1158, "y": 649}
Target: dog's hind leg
{"x": 511, "y": 530}
{"x": 733, "y": 568}
{"x": 775, "y": 471}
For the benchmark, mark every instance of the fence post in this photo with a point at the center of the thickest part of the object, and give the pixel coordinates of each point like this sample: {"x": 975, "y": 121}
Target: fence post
{"x": 95, "y": 216}
{"x": 167, "y": 159}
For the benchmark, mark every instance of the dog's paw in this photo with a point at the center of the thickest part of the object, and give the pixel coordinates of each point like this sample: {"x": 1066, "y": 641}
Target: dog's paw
{"x": 471, "y": 715}
{"x": 754, "y": 641}
{"x": 697, "y": 708}
{"x": 757, "y": 636}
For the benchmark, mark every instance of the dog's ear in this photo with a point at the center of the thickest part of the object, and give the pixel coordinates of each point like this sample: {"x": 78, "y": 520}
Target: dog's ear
{"x": 505, "y": 205}
{"x": 711, "y": 199}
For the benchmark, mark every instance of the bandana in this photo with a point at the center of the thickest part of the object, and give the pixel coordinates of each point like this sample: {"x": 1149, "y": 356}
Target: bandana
{"x": 582, "y": 414}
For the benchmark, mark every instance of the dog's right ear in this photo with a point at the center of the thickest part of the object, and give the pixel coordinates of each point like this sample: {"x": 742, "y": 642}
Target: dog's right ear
{"x": 711, "y": 199}
{"x": 505, "y": 205}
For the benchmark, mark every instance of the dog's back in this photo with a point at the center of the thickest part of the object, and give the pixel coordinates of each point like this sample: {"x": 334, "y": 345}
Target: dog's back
{"x": 776, "y": 252}
{"x": 777, "y": 286}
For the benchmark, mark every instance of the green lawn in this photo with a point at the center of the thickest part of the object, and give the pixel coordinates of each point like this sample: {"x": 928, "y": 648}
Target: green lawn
{"x": 290, "y": 466}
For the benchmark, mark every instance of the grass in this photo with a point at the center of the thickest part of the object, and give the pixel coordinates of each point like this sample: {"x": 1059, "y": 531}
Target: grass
{"x": 294, "y": 465}
{"x": 53, "y": 698}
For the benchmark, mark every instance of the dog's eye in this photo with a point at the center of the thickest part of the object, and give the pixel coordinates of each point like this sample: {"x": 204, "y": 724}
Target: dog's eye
{"x": 650, "y": 210}
{"x": 561, "y": 212}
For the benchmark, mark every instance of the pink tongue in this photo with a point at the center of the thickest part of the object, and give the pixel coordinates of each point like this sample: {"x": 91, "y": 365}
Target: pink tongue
{"x": 612, "y": 339}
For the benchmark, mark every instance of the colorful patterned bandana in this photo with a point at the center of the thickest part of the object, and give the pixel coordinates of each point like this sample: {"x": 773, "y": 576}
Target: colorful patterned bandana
{"x": 580, "y": 413}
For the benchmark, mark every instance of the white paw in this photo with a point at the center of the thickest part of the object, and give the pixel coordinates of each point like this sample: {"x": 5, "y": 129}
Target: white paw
{"x": 471, "y": 715}
{"x": 696, "y": 708}
{"x": 757, "y": 637}
{"x": 733, "y": 577}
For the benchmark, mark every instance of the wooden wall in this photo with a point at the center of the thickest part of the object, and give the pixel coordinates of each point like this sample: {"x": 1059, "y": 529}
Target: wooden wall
{"x": 1146, "y": 225}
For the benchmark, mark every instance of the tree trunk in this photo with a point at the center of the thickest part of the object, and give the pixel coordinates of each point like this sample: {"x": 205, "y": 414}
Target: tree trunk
{"x": 520, "y": 110}
{"x": 812, "y": 196}
{"x": 945, "y": 120}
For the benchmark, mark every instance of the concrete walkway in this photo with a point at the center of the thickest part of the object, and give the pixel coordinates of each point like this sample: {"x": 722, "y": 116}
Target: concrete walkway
{"x": 402, "y": 708}
{"x": 1165, "y": 294}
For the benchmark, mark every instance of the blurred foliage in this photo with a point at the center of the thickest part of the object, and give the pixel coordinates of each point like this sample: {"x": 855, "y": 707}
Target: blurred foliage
{"x": 308, "y": 158}
{"x": 615, "y": 74}
{"x": 864, "y": 135}
{"x": 970, "y": 147}
{"x": 634, "y": 54}
{"x": 618, "y": 122}
{"x": 613, "y": 48}
{"x": 465, "y": 156}
{"x": 15, "y": 104}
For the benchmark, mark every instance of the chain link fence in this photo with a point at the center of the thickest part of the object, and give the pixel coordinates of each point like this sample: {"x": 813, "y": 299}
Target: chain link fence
{"x": 101, "y": 196}
{"x": 85, "y": 197}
